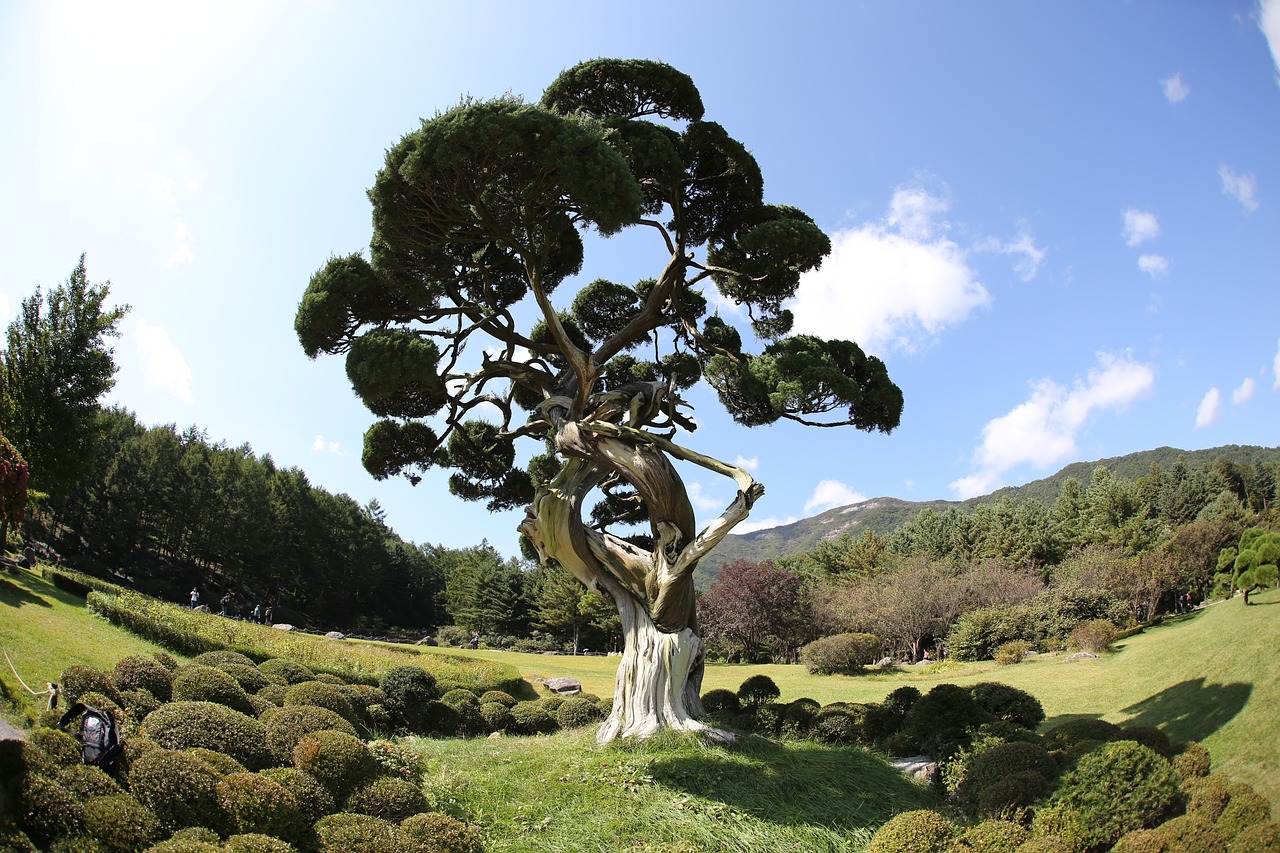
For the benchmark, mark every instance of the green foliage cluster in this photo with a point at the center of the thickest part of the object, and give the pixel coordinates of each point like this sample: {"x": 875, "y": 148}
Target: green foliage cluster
{"x": 840, "y": 654}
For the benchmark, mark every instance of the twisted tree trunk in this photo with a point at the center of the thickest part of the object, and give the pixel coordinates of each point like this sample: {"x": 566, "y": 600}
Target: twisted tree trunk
{"x": 660, "y": 674}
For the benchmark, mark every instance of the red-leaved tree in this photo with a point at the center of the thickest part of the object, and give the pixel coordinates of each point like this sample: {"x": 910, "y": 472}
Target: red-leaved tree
{"x": 757, "y": 612}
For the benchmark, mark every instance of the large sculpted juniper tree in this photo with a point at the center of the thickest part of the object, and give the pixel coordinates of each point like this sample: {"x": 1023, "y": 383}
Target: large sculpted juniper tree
{"x": 461, "y": 335}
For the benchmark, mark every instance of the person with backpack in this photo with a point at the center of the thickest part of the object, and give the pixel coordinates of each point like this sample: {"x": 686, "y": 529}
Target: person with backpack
{"x": 99, "y": 736}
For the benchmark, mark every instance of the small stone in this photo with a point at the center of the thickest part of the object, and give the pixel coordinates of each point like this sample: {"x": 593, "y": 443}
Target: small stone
{"x": 335, "y": 635}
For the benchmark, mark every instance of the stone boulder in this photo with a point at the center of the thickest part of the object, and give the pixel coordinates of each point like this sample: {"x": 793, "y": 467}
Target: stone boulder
{"x": 564, "y": 686}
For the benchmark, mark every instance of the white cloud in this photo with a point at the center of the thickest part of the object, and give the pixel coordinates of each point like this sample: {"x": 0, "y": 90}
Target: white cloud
{"x": 1175, "y": 90}
{"x": 1140, "y": 226}
{"x": 1156, "y": 266}
{"x": 1244, "y": 393}
{"x": 1209, "y": 409}
{"x": 1243, "y": 188}
{"x": 184, "y": 246}
{"x": 1027, "y": 255}
{"x": 1269, "y": 23}
{"x": 703, "y": 502}
{"x": 1042, "y": 431}
{"x": 891, "y": 285}
{"x": 320, "y": 445}
{"x": 751, "y": 524}
{"x": 832, "y": 493}
{"x": 752, "y": 464}
{"x": 166, "y": 368}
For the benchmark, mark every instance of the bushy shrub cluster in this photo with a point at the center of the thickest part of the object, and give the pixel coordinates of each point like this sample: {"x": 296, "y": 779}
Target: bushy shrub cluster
{"x": 840, "y": 654}
{"x": 1042, "y": 622}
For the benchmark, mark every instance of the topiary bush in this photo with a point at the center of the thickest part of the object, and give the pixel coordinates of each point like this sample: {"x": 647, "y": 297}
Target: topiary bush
{"x": 256, "y": 843}
{"x": 313, "y": 800}
{"x": 323, "y": 695}
{"x": 397, "y": 759}
{"x": 1094, "y": 635}
{"x": 939, "y": 720}
{"x": 250, "y": 678}
{"x": 458, "y": 697}
{"x": 45, "y": 811}
{"x": 222, "y": 764}
{"x": 715, "y": 701}
{"x": 840, "y": 654}
{"x": 78, "y": 679}
{"x": 143, "y": 672}
{"x": 499, "y": 696}
{"x": 339, "y": 761}
{"x": 576, "y": 712}
{"x": 194, "y": 839}
{"x": 183, "y": 725}
{"x": 356, "y": 833}
{"x": 990, "y": 836}
{"x": 768, "y": 719}
{"x": 1258, "y": 838}
{"x": 284, "y": 727}
{"x": 274, "y": 693}
{"x": 757, "y": 690}
{"x": 1192, "y": 761}
{"x": 432, "y": 832}
{"x": 496, "y": 717}
{"x": 1149, "y": 737}
{"x": 1011, "y": 653}
{"x": 199, "y": 683}
{"x": 920, "y": 831}
{"x": 551, "y": 703}
{"x": 179, "y": 788}
{"x": 85, "y": 781}
{"x": 1114, "y": 790}
{"x": 1066, "y": 735}
{"x": 408, "y": 690}
{"x": 530, "y": 718}
{"x": 797, "y": 718}
{"x": 1185, "y": 834}
{"x": 14, "y": 839}
{"x": 441, "y": 720}
{"x": 1008, "y": 704}
{"x": 291, "y": 671}
{"x": 1006, "y": 763}
{"x": 120, "y": 823}
{"x": 221, "y": 657}
{"x": 839, "y": 723}
{"x": 388, "y": 798}
{"x": 58, "y": 745}
{"x": 254, "y": 803}
{"x": 139, "y": 703}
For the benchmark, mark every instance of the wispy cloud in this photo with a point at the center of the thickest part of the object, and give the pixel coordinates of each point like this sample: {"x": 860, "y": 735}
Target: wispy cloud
{"x": 1175, "y": 90}
{"x": 832, "y": 493}
{"x": 704, "y": 502}
{"x": 322, "y": 445}
{"x": 166, "y": 368}
{"x": 1156, "y": 266}
{"x": 1209, "y": 409}
{"x": 1269, "y": 23}
{"x": 894, "y": 284}
{"x": 1140, "y": 226}
{"x": 1244, "y": 393}
{"x": 1026, "y": 254}
{"x": 752, "y": 464}
{"x": 1042, "y": 431}
{"x": 1243, "y": 188}
{"x": 753, "y": 524}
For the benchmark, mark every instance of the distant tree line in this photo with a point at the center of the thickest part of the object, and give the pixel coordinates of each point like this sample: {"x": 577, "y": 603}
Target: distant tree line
{"x": 1114, "y": 549}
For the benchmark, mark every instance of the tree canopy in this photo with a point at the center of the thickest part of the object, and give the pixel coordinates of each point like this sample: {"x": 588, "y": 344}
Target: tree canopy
{"x": 459, "y": 337}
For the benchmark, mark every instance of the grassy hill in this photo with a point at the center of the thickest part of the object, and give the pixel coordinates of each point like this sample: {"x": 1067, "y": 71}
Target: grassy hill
{"x": 883, "y": 515}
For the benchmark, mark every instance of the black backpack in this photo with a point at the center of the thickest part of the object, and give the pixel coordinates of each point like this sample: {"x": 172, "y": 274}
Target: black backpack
{"x": 99, "y": 736}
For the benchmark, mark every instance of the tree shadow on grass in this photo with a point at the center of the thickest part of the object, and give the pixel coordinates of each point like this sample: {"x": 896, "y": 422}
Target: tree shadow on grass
{"x": 802, "y": 783}
{"x": 15, "y": 596}
{"x": 1192, "y": 709}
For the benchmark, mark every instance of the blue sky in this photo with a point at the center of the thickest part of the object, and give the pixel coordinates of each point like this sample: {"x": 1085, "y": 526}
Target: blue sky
{"x": 1056, "y": 223}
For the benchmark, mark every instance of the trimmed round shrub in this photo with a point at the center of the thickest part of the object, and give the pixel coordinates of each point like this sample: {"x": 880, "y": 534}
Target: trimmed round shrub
{"x": 222, "y": 764}
{"x": 1011, "y": 653}
{"x": 14, "y": 839}
{"x": 441, "y": 720}
{"x": 1045, "y": 844}
{"x": 143, "y": 672}
{"x": 885, "y": 720}
{"x": 1008, "y": 704}
{"x": 757, "y": 690}
{"x": 85, "y": 781}
{"x": 254, "y": 803}
{"x": 291, "y": 671}
{"x": 841, "y": 654}
{"x": 577, "y": 711}
{"x": 221, "y": 657}
{"x": 1245, "y": 808}
{"x": 139, "y": 703}
{"x": 939, "y": 720}
{"x": 920, "y": 831}
{"x": 1150, "y": 737}
{"x": 46, "y": 811}
{"x": 1192, "y": 761}
{"x": 1258, "y": 838}
{"x": 368, "y": 695}
{"x": 78, "y": 679}
{"x": 274, "y": 693}
{"x": 314, "y": 802}
{"x": 388, "y": 798}
{"x": 408, "y": 685}
{"x": 1185, "y": 834}
{"x": 329, "y": 678}
{"x": 496, "y": 717}
{"x": 1004, "y": 760}
{"x": 199, "y": 837}
{"x": 397, "y": 759}
{"x": 1008, "y": 798}
{"x": 58, "y": 745}
{"x": 990, "y": 836}
{"x": 720, "y": 699}
{"x": 208, "y": 684}
{"x": 838, "y": 723}
{"x": 432, "y": 832}
{"x": 1095, "y": 635}
{"x": 120, "y": 823}
{"x": 1117, "y": 788}
{"x": 499, "y": 696}
{"x": 253, "y": 842}
{"x": 551, "y": 704}
{"x": 768, "y": 719}
{"x": 529, "y": 718}
{"x": 284, "y": 727}
{"x": 339, "y": 761}
{"x": 1066, "y": 735}
{"x": 798, "y": 717}
{"x": 356, "y": 833}
{"x": 458, "y": 697}
{"x": 184, "y": 725}
{"x": 166, "y": 660}
{"x": 323, "y": 695}
{"x": 180, "y": 789}
{"x": 250, "y": 678}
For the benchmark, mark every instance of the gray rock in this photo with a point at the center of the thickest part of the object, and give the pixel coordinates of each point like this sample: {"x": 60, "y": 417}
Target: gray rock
{"x": 564, "y": 686}
{"x": 1082, "y": 656}
{"x": 282, "y": 626}
{"x": 920, "y": 767}
{"x": 335, "y": 635}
